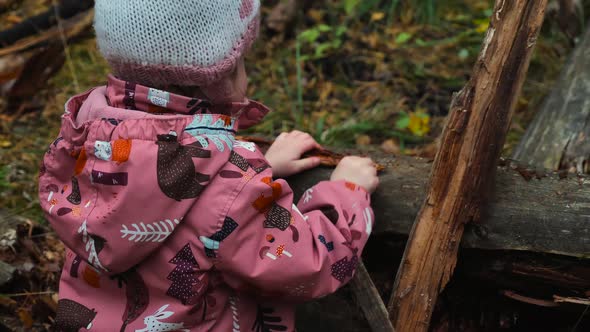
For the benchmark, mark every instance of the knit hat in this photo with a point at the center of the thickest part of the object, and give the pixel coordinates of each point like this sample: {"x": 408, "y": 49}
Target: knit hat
{"x": 181, "y": 42}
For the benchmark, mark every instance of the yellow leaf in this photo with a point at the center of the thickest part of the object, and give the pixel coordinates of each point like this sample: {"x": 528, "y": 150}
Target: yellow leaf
{"x": 377, "y": 16}
{"x": 11, "y": 18}
{"x": 5, "y": 144}
{"x": 316, "y": 15}
{"x": 419, "y": 123}
{"x": 481, "y": 25}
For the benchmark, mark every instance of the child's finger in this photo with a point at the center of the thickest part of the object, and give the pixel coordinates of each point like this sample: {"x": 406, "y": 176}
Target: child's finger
{"x": 305, "y": 164}
{"x": 308, "y": 144}
{"x": 281, "y": 136}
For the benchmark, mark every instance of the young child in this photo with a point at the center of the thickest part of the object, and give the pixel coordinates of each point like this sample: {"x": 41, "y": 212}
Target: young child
{"x": 170, "y": 223}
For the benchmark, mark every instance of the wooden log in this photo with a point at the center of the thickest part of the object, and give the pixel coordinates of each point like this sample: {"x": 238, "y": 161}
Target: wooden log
{"x": 542, "y": 212}
{"x": 470, "y": 147}
{"x": 558, "y": 136}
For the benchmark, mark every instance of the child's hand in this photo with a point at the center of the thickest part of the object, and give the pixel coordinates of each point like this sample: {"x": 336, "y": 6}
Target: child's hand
{"x": 360, "y": 171}
{"x": 284, "y": 155}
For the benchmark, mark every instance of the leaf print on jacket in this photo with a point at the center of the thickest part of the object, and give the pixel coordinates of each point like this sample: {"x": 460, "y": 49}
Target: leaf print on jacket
{"x": 219, "y": 131}
{"x": 94, "y": 245}
{"x": 154, "y": 232}
{"x": 177, "y": 177}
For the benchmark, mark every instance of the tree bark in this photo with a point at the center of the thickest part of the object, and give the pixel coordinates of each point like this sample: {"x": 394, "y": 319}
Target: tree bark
{"x": 530, "y": 211}
{"x": 558, "y": 136}
{"x": 470, "y": 147}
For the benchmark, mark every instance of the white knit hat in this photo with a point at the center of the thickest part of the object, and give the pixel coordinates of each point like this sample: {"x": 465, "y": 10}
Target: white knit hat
{"x": 180, "y": 42}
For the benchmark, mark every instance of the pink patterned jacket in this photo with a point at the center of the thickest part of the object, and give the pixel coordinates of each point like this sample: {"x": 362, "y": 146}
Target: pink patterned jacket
{"x": 173, "y": 225}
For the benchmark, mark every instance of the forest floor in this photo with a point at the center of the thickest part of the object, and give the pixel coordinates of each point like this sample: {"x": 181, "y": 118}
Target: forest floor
{"x": 369, "y": 74}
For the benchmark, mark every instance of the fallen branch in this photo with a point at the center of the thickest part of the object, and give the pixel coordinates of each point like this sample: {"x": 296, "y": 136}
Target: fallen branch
{"x": 71, "y": 27}
{"x": 66, "y": 9}
{"x": 465, "y": 163}
{"x": 575, "y": 300}
{"x": 369, "y": 300}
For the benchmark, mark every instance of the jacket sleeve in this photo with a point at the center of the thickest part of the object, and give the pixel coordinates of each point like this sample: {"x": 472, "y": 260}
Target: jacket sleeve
{"x": 297, "y": 252}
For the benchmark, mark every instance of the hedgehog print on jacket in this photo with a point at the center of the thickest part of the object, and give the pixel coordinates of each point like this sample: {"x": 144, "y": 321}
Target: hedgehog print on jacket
{"x": 177, "y": 176}
{"x": 72, "y": 316}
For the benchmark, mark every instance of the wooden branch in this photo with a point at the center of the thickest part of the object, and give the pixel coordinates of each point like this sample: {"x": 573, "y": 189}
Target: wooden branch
{"x": 37, "y": 24}
{"x": 529, "y": 211}
{"x": 558, "y": 136}
{"x": 369, "y": 300}
{"x": 71, "y": 27}
{"x": 470, "y": 147}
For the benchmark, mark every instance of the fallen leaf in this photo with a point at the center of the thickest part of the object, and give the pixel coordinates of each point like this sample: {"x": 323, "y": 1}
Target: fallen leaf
{"x": 363, "y": 140}
{"x": 6, "y": 301}
{"x": 390, "y": 146}
{"x": 482, "y": 25}
{"x": 13, "y": 19}
{"x": 25, "y": 317}
{"x": 377, "y": 16}
{"x": 419, "y": 123}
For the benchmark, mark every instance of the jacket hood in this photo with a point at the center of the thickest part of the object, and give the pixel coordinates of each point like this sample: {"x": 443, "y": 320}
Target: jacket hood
{"x": 125, "y": 158}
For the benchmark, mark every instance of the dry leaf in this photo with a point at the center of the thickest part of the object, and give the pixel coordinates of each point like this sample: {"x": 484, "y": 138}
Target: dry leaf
{"x": 377, "y": 16}
{"x": 390, "y": 146}
{"x": 363, "y": 140}
{"x": 7, "y": 302}
{"x": 25, "y": 317}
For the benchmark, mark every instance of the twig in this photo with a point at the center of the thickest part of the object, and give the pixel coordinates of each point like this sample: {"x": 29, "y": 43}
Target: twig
{"x": 28, "y": 294}
{"x": 580, "y": 319}
{"x": 64, "y": 41}
{"x": 575, "y": 300}
{"x": 529, "y": 300}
